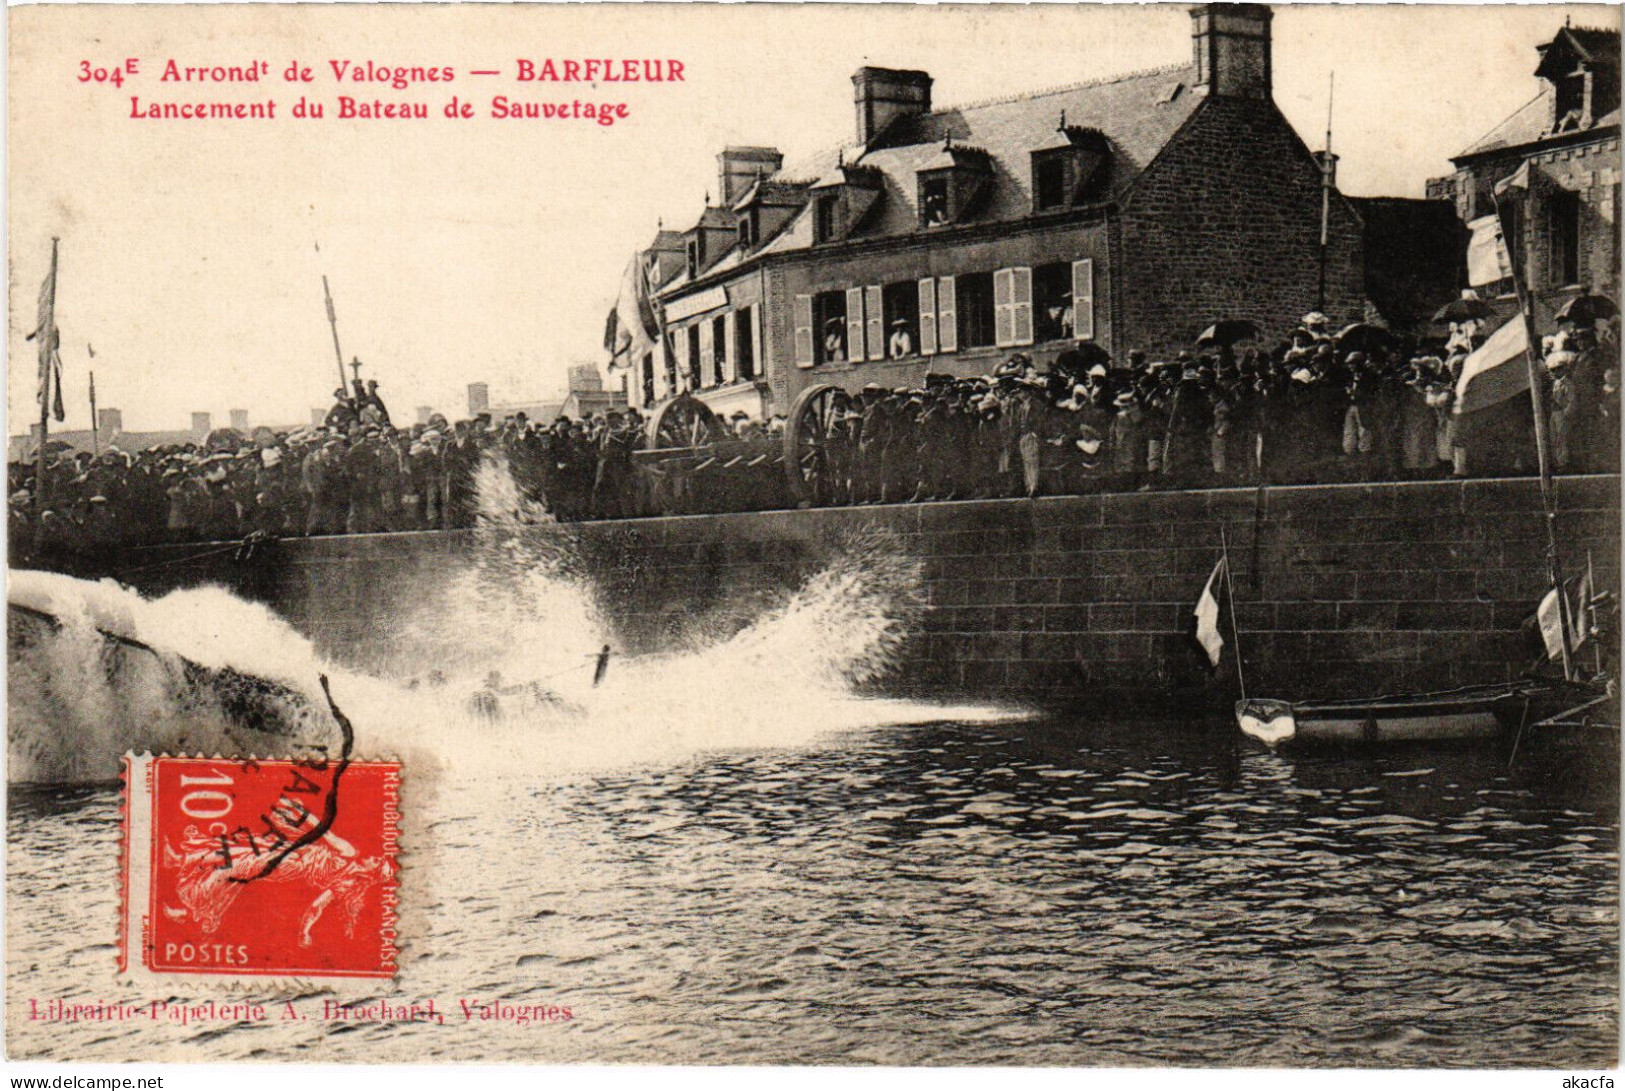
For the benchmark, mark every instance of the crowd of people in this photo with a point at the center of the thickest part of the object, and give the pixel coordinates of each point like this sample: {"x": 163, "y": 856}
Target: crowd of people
{"x": 1315, "y": 409}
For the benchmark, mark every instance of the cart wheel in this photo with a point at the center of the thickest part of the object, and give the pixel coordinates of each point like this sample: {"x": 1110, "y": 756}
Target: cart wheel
{"x": 685, "y": 421}
{"x": 808, "y": 438}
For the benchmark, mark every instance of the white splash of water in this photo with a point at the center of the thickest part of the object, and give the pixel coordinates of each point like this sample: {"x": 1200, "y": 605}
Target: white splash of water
{"x": 510, "y": 619}
{"x": 499, "y": 501}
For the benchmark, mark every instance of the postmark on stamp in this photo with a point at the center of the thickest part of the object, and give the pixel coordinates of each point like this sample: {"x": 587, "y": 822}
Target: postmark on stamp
{"x": 259, "y": 868}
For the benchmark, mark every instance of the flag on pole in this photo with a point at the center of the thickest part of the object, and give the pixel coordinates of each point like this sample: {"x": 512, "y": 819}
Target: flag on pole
{"x": 1495, "y": 371}
{"x": 1207, "y": 616}
{"x": 1549, "y": 616}
{"x": 631, "y": 330}
{"x": 50, "y": 339}
{"x": 1581, "y": 612}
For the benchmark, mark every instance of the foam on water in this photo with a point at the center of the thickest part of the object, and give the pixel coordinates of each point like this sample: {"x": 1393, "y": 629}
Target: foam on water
{"x": 785, "y": 678}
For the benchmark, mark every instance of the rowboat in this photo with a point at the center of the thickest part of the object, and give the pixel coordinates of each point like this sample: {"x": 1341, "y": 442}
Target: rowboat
{"x": 1464, "y": 715}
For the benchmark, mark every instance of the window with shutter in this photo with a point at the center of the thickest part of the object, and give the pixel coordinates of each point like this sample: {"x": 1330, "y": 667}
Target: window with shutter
{"x": 1021, "y": 306}
{"x": 1083, "y": 300}
{"x": 803, "y": 320}
{"x": 947, "y": 316}
{"x": 928, "y": 316}
{"x": 1003, "y": 319}
{"x": 875, "y": 321}
{"x": 854, "y": 325}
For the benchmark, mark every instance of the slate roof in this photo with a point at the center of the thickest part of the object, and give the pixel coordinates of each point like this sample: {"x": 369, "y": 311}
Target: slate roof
{"x": 667, "y": 240}
{"x": 1592, "y": 44}
{"x": 1532, "y": 121}
{"x": 1137, "y": 114}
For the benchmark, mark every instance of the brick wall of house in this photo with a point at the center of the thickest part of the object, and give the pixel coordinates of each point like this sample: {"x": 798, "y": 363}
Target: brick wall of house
{"x": 1591, "y": 169}
{"x": 1226, "y": 224}
{"x": 1017, "y": 245}
{"x": 1341, "y": 590}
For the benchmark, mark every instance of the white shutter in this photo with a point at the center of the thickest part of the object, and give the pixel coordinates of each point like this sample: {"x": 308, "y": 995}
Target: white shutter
{"x": 1021, "y": 306}
{"x": 803, "y": 319}
{"x": 1083, "y": 300}
{"x": 928, "y": 316}
{"x": 854, "y": 325}
{"x": 947, "y": 317}
{"x": 683, "y": 372}
{"x": 730, "y": 336}
{"x": 758, "y": 362}
{"x": 707, "y": 349}
{"x": 1003, "y": 320}
{"x": 875, "y": 312}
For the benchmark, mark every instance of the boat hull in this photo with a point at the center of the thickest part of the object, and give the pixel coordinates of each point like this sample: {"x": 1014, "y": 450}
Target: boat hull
{"x": 1458, "y": 716}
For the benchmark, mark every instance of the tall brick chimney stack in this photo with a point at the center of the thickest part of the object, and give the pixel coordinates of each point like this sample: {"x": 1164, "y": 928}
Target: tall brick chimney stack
{"x": 201, "y": 426}
{"x": 738, "y": 168}
{"x": 1232, "y": 47}
{"x": 883, "y": 94}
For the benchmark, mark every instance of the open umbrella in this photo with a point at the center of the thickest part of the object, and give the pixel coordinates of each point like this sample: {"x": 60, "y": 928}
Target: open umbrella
{"x": 1463, "y": 310}
{"x": 1584, "y": 310}
{"x": 1363, "y": 337}
{"x": 223, "y": 439}
{"x": 1227, "y": 332}
{"x": 1078, "y": 359}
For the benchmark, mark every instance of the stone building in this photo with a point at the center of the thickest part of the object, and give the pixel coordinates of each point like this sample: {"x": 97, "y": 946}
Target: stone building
{"x": 1565, "y": 141}
{"x": 1130, "y": 212}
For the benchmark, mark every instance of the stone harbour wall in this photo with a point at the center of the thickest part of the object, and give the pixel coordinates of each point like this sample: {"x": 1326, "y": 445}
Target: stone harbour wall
{"x": 1340, "y": 590}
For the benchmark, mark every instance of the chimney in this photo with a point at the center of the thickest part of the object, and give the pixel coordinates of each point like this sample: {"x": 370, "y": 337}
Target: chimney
{"x": 317, "y": 416}
{"x": 738, "y": 168}
{"x": 479, "y": 398}
{"x": 884, "y": 94}
{"x": 200, "y": 425}
{"x": 239, "y": 419}
{"x": 424, "y": 413}
{"x": 109, "y": 422}
{"x": 1232, "y": 47}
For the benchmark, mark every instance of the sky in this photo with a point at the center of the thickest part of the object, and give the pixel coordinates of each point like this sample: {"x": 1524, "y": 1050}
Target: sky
{"x": 490, "y": 249}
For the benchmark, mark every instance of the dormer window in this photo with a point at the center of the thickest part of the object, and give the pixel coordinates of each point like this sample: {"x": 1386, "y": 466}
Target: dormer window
{"x": 1049, "y": 181}
{"x": 696, "y": 255}
{"x": 747, "y": 231}
{"x": 827, "y": 218}
{"x": 843, "y": 199}
{"x": 1070, "y": 169}
{"x": 1571, "y": 101}
{"x": 951, "y": 185}
{"x": 934, "y": 201}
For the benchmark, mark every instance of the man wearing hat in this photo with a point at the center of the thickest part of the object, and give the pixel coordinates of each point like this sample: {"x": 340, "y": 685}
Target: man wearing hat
{"x": 901, "y": 343}
{"x": 834, "y": 341}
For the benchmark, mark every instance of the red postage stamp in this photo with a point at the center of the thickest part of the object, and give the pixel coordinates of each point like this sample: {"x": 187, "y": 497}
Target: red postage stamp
{"x": 259, "y": 868}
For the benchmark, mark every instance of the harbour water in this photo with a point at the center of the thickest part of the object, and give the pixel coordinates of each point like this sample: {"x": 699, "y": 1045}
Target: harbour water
{"x": 725, "y": 854}
{"x": 1011, "y": 892}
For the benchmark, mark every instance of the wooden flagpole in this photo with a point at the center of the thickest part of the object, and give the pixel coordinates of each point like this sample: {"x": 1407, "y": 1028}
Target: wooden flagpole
{"x": 1537, "y": 401}
{"x": 47, "y": 335}
{"x": 1230, "y": 590}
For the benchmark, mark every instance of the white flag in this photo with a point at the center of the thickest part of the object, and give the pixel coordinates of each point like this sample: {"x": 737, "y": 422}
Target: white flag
{"x": 1207, "y": 616}
{"x": 1549, "y": 616}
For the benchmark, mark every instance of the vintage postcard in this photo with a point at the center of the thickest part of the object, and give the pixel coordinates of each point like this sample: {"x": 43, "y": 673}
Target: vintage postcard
{"x": 1052, "y": 536}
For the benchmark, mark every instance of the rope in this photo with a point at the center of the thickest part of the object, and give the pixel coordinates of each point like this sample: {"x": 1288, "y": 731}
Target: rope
{"x": 180, "y": 560}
